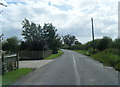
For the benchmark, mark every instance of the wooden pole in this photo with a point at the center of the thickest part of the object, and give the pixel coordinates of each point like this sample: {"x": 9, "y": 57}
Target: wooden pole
{"x": 17, "y": 60}
{"x": 93, "y": 36}
{"x": 3, "y": 66}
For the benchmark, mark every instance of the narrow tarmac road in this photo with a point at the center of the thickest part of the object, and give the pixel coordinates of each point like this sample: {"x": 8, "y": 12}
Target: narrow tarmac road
{"x": 71, "y": 69}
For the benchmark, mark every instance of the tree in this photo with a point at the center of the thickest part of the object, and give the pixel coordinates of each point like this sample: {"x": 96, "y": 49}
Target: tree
{"x": 104, "y": 43}
{"x": 116, "y": 43}
{"x": 11, "y": 44}
{"x": 69, "y": 40}
{"x": 33, "y": 35}
{"x": 77, "y": 43}
{"x": 38, "y": 38}
{"x": 51, "y": 37}
{"x": 31, "y": 32}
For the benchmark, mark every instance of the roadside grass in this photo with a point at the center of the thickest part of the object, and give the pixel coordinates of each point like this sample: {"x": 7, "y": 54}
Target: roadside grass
{"x": 10, "y": 77}
{"x": 0, "y": 80}
{"x": 108, "y": 57}
{"x": 53, "y": 56}
{"x": 83, "y": 52}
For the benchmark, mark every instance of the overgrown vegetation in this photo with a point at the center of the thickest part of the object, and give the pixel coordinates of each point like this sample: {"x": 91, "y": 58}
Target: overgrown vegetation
{"x": 11, "y": 44}
{"x": 36, "y": 38}
{"x": 53, "y": 56}
{"x": 0, "y": 80}
{"x": 42, "y": 38}
{"x": 108, "y": 57}
{"x": 10, "y": 77}
{"x": 83, "y": 52}
{"x": 107, "y": 51}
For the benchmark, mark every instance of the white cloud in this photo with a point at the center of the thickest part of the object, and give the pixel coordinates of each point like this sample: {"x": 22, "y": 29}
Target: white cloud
{"x": 74, "y": 21}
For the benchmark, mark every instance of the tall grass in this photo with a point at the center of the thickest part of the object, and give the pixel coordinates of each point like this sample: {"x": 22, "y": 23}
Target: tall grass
{"x": 108, "y": 57}
{"x": 53, "y": 56}
{"x": 83, "y": 52}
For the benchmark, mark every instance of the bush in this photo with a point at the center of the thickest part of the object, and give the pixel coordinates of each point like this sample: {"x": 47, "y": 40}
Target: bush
{"x": 113, "y": 51}
{"x": 108, "y": 57}
{"x": 55, "y": 51}
{"x": 117, "y": 66}
{"x": 104, "y": 43}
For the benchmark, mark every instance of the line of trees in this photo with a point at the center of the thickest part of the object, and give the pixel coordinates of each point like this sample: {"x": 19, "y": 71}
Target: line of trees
{"x": 104, "y": 43}
{"x": 100, "y": 44}
{"x": 41, "y": 38}
{"x": 36, "y": 38}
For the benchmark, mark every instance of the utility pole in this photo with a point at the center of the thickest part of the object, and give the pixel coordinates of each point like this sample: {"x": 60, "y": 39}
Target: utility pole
{"x": 93, "y": 43}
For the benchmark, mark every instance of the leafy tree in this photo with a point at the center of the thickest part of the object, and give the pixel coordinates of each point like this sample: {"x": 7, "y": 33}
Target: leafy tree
{"x": 89, "y": 45}
{"x": 69, "y": 40}
{"x": 116, "y": 43}
{"x": 77, "y": 42}
{"x": 51, "y": 37}
{"x": 33, "y": 35}
{"x": 11, "y": 44}
{"x": 104, "y": 43}
{"x": 31, "y": 32}
{"x": 38, "y": 38}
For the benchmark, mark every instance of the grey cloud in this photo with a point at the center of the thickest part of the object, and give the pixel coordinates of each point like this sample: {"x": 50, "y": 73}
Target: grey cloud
{"x": 65, "y": 21}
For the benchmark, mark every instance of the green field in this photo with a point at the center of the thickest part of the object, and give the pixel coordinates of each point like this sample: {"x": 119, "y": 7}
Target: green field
{"x": 108, "y": 57}
{"x": 53, "y": 56}
{"x": 10, "y": 77}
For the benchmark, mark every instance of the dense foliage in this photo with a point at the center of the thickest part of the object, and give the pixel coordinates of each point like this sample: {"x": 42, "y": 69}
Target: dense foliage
{"x": 11, "y": 44}
{"x": 69, "y": 40}
{"x": 39, "y": 38}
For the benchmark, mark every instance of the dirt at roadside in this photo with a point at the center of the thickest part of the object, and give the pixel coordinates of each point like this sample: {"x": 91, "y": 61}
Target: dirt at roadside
{"x": 33, "y": 63}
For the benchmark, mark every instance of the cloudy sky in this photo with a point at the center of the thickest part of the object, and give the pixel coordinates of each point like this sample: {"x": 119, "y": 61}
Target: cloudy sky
{"x": 68, "y": 16}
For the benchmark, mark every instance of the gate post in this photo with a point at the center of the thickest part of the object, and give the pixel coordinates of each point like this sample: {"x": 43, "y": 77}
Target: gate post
{"x": 17, "y": 60}
{"x": 3, "y": 66}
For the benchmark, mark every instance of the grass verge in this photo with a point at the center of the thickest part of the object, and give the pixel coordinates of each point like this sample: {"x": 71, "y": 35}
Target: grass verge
{"x": 0, "y": 80}
{"x": 53, "y": 56}
{"x": 83, "y": 52}
{"x": 10, "y": 77}
{"x": 108, "y": 57}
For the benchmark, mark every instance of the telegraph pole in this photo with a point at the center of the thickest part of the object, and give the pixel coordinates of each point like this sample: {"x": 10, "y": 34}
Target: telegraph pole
{"x": 93, "y": 43}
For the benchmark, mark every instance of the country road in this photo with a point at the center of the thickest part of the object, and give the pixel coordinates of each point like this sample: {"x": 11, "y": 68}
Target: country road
{"x": 71, "y": 69}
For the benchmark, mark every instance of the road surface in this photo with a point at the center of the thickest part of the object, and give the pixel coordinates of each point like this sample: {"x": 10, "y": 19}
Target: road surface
{"x": 71, "y": 69}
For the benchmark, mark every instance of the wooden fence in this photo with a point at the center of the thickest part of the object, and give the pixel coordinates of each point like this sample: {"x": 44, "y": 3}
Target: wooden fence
{"x": 23, "y": 55}
{"x": 9, "y": 63}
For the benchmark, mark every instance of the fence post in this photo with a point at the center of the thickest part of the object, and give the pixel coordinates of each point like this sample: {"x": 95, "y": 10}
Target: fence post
{"x": 3, "y": 66}
{"x": 17, "y": 60}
